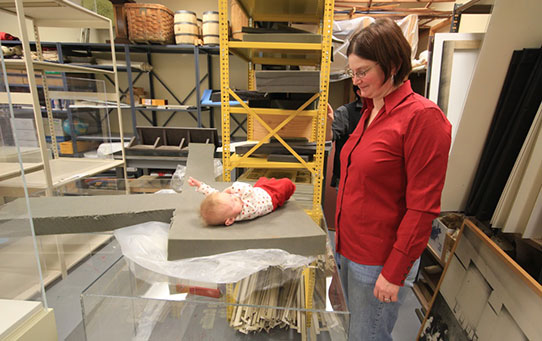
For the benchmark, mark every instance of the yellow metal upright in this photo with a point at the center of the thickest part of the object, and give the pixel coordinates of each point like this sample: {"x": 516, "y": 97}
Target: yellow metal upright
{"x": 278, "y": 53}
{"x": 225, "y": 87}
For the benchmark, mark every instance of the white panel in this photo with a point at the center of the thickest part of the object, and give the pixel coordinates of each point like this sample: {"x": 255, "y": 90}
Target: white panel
{"x": 534, "y": 225}
{"x": 508, "y": 196}
{"x": 501, "y": 39}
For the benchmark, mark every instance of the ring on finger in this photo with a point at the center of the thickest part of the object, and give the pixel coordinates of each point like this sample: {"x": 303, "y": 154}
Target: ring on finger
{"x": 387, "y": 299}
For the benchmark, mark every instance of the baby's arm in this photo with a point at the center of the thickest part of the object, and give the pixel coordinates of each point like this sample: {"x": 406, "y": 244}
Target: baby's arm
{"x": 200, "y": 186}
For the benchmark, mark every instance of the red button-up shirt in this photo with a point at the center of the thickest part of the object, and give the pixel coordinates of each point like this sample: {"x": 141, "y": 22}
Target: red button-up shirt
{"x": 393, "y": 175}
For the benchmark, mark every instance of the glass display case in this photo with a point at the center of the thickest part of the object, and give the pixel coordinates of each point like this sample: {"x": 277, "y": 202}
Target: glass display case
{"x": 125, "y": 302}
{"x": 22, "y": 293}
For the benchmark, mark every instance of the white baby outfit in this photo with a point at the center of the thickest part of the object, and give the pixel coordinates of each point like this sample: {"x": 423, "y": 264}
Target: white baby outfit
{"x": 256, "y": 201}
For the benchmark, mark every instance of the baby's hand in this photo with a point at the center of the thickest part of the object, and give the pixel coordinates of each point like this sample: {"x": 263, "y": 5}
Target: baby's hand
{"x": 193, "y": 182}
{"x": 228, "y": 190}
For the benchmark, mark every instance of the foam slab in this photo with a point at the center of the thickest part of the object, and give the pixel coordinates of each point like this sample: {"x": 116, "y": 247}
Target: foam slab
{"x": 288, "y": 228}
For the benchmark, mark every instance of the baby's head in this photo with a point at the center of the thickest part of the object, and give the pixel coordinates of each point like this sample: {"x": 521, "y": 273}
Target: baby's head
{"x": 220, "y": 208}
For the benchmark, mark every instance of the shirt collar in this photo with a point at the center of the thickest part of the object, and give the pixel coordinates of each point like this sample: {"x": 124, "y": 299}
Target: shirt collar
{"x": 394, "y": 98}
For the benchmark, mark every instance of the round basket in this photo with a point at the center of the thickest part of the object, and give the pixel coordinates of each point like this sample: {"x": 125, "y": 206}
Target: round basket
{"x": 149, "y": 23}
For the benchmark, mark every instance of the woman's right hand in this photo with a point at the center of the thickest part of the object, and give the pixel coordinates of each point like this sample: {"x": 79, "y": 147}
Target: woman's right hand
{"x": 193, "y": 182}
{"x": 330, "y": 113}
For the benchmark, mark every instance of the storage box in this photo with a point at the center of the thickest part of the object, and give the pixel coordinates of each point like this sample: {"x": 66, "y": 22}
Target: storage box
{"x": 82, "y": 146}
{"x": 438, "y": 237}
{"x": 153, "y": 101}
{"x": 139, "y": 93}
{"x": 19, "y": 77}
{"x": 24, "y": 124}
{"x": 57, "y": 125}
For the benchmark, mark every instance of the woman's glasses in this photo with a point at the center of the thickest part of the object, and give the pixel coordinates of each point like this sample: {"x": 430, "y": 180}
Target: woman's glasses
{"x": 359, "y": 74}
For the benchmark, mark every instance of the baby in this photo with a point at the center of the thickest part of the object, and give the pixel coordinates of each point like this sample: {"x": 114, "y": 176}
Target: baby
{"x": 241, "y": 201}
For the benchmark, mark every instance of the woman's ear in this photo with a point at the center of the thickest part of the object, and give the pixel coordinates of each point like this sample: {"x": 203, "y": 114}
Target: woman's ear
{"x": 229, "y": 221}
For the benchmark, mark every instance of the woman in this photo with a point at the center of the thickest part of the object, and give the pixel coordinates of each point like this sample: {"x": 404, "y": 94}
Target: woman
{"x": 392, "y": 173}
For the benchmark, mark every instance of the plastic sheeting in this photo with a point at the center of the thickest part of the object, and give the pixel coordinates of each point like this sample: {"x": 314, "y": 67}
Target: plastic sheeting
{"x": 343, "y": 30}
{"x": 145, "y": 248}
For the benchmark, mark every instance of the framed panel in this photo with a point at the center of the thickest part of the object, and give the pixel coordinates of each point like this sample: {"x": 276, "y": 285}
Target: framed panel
{"x": 483, "y": 295}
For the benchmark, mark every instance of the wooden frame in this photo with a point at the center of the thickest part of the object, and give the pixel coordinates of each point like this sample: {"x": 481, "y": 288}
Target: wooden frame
{"x": 453, "y": 63}
{"x": 448, "y": 50}
{"x": 483, "y": 294}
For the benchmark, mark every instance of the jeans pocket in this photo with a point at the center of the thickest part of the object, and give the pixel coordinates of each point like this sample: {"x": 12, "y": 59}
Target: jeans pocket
{"x": 366, "y": 274}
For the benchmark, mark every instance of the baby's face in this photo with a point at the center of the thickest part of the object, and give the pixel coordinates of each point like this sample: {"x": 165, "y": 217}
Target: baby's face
{"x": 232, "y": 204}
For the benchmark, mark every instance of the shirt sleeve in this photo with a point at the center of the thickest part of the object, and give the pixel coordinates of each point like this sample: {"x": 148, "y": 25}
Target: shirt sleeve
{"x": 426, "y": 148}
{"x": 339, "y": 127}
{"x": 205, "y": 189}
{"x": 242, "y": 189}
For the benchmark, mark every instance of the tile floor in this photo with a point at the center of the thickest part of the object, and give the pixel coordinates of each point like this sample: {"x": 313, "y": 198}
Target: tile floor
{"x": 64, "y": 298}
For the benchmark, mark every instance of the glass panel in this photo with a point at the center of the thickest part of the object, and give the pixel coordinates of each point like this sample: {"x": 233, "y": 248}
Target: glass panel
{"x": 20, "y": 271}
{"x": 81, "y": 118}
{"x": 126, "y": 303}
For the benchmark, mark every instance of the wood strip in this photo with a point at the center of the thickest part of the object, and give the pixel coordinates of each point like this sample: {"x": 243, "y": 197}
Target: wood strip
{"x": 357, "y": 2}
{"x": 438, "y": 27}
{"x": 524, "y": 275}
{"x": 428, "y": 310}
{"x": 16, "y": 98}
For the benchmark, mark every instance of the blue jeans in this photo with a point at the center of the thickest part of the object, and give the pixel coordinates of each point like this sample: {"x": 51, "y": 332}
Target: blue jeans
{"x": 370, "y": 319}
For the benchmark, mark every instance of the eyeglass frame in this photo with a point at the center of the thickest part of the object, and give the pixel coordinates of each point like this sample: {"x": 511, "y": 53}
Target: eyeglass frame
{"x": 358, "y": 74}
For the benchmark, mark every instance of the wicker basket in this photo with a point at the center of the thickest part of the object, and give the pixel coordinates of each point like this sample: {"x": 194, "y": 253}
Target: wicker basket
{"x": 149, "y": 23}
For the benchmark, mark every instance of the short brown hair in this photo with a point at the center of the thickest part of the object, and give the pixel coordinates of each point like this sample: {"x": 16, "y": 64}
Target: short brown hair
{"x": 383, "y": 42}
{"x": 211, "y": 210}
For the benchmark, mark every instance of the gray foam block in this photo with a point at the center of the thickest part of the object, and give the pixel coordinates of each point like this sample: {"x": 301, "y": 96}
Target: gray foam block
{"x": 58, "y": 215}
{"x": 288, "y": 228}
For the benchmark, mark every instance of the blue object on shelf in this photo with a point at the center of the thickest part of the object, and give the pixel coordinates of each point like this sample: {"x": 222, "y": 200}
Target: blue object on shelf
{"x": 206, "y": 99}
{"x": 79, "y": 126}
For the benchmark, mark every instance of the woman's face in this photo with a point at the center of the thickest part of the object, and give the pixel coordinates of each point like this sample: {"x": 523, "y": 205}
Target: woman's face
{"x": 369, "y": 77}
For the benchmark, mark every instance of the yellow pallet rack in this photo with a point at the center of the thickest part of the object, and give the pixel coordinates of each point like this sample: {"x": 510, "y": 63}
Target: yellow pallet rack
{"x": 314, "y": 54}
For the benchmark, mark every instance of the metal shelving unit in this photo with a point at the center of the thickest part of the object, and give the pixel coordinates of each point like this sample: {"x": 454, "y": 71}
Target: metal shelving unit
{"x": 313, "y": 54}
{"x": 134, "y": 74}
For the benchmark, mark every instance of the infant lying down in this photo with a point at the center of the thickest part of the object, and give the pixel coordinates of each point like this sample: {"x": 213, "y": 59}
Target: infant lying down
{"x": 241, "y": 201}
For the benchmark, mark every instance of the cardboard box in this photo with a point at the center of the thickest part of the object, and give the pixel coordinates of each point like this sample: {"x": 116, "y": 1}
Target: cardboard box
{"x": 139, "y": 94}
{"x": 57, "y": 125}
{"x": 437, "y": 241}
{"x": 152, "y": 101}
{"x": 19, "y": 77}
{"x": 82, "y": 146}
{"x": 24, "y": 124}
{"x": 16, "y": 77}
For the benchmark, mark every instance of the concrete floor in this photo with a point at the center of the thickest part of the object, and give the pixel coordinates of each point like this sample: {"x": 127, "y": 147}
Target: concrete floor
{"x": 64, "y": 298}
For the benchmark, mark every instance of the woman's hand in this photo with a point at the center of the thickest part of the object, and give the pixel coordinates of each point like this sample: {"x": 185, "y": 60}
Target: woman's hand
{"x": 330, "y": 116}
{"x": 193, "y": 182}
{"x": 385, "y": 291}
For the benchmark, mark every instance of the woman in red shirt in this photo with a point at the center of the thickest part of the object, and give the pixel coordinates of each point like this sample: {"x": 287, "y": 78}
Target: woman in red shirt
{"x": 392, "y": 174}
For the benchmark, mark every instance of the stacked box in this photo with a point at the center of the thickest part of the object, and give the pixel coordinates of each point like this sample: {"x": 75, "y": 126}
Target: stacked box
{"x": 57, "y": 126}
{"x": 26, "y": 132}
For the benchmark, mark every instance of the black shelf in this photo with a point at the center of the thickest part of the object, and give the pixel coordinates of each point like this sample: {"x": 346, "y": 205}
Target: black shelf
{"x": 86, "y": 49}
